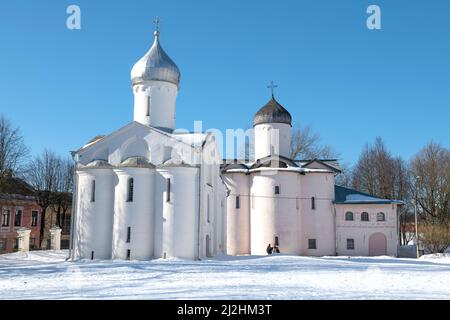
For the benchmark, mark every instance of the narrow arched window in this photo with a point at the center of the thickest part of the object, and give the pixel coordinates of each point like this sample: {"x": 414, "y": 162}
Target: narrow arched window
{"x": 130, "y": 195}
{"x": 349, "y": 216}
{"x": 381, "y": 216}
{"x": 93, "y": 191}
{"x": 128, "y": 234}
{"x": 364, "y": 216}
{"x": 168, "y": 190}
{"x": 208, "y": 209}
{"x": 148, "y": 106}
{"x": 277, "y": 189}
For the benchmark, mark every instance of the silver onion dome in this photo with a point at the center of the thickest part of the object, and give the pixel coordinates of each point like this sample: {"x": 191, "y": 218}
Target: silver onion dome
{"x": 272, "y": 112}
{"x": 155, "y": 65}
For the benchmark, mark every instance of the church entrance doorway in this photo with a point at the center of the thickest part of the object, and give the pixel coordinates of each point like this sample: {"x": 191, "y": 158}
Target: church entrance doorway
{"x": 377, "y": 245}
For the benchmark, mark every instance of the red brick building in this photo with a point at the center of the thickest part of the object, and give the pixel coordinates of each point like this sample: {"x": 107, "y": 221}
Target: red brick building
{"x": 18, "y": 209}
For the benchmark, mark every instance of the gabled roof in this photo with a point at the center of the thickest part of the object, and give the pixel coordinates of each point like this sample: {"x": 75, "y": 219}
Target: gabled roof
{"x": 266, "y": 160}
{"x": 329, "y": 163}
{"x": 269, "y": 163}
{"x": 234, "y": 166}
{"x": 343, "y": 195}
{"x": 192, "y": 140}
{"x": 15, "y": 188}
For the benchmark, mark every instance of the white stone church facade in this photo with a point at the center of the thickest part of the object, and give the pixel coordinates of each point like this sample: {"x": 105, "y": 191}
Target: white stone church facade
{"x": 149, "y": 191}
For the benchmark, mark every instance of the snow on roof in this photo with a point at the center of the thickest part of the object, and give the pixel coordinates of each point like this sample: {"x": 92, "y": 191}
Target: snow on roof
{"x": 349, "y": 196}
{"x": 288, "y": 169}
{"x": 193, "y": 139}
{"x": 327, "y": 162}
{"x": 360, "y": 197}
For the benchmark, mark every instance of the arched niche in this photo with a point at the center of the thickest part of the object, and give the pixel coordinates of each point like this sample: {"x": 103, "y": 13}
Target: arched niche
{"x": 135, "y": 147}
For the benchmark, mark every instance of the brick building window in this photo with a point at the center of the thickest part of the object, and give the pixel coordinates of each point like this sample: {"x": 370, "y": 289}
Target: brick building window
{"x": 313, "y": 203}
{"x": 3, "y": 244}
{"x": 18, "y": 218}
{"x": 32, "y": 243}
{"x": 66, "y": 225}
{"x": 6, "y": 214}
{"x": 34, "y": 218}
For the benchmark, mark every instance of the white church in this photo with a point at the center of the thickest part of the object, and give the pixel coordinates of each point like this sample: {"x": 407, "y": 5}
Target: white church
{"x": 149, "y": 191}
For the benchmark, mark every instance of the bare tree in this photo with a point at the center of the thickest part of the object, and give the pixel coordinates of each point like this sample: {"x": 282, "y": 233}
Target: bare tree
{"x": 378, "y": 173}
{"x": 305, "y": 144}
{"x": 402, "y": 191}
{"x": 13, "y": 151}
{"x": 344, "y": 179}
{"x": 62, "y": 197}
{"x": 435, "y": 236}
{"x": 431, "y": 166}
{"x": 374, "y": 171}
{"x": 42, "y": 174}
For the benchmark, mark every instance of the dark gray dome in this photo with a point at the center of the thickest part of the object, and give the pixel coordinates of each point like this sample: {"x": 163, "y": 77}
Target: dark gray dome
{"x": 272, "y": 112}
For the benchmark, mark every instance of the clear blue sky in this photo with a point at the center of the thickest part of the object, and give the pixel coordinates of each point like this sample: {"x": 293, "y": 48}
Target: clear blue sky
{"x": 349, "y": 83}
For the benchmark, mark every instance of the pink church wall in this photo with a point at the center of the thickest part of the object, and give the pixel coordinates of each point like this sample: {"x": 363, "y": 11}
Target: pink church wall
{"x": 317, "y": 223}
{"x": 361, "y": 231}
{"x": 275, "y": 214}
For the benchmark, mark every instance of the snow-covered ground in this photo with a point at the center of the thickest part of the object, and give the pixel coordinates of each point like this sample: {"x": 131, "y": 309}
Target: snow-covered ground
{"x": 45, "y": 275}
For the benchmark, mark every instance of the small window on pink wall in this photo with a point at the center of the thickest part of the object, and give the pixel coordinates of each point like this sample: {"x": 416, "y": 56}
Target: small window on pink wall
{"x": 349, "y": 216}
{"x": 364, "y": 216}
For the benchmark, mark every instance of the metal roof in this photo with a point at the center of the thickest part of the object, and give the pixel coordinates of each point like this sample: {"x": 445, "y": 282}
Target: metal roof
{"x": 343, "y": 195}
{"x": 272, "y": 112}
{"x": 155, "y": 65}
